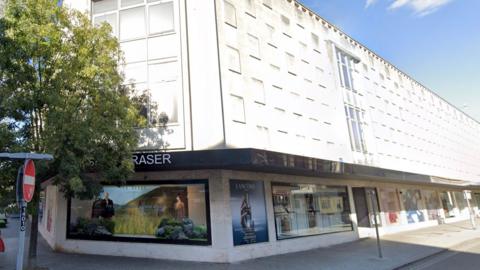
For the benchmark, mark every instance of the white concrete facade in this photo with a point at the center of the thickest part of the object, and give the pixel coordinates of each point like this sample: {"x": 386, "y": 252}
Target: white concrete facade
{"x": 291, "y": 52}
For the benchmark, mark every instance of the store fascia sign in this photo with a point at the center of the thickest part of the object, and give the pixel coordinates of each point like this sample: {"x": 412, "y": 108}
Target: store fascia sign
{"x": 152, "y": 159}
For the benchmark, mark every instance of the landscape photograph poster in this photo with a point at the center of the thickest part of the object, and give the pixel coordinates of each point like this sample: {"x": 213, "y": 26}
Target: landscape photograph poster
{"x": 249, "y": 218}
{"x": 169, "y": 212}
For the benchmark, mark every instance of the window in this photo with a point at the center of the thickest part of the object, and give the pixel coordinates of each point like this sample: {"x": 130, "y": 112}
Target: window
{"x": 345, "y": 67}
{"x": 230, "y": 14}
{"x": 238, "y": 109}
{"x": 111, "y": 19}
{"x": 134, "y": 51}
{"x": 132, "y": 23}
{"x": 126, "y": 3}
{"x": 315, "y": 41}
{"x": 161, "y": 18}
{"x": 414, "y": 205}
{"x": 387, "y": 71}
{"x": 365, "y": 68}
{"x": 165, "y": 212}
{"x": 390, "y": 205}
{"x": 285, "y": 25}
{"x": 372, "y": 61}
{"x": 308, "y": 209}
{"x": 258, "y": 89}
{"x": 270, "y": 34}
{"x": 291, "y": 66}
{"x": 250, "y": 6}
{"x": 433, "y": 204}
{"x": 103, "y": 6}
{"x": 164, "y": 91}
{"x": 356, "y": 128}
{"x": 233, "y": 58}
{"x": 461, "y": 201}
{"x": 253, "y": 46}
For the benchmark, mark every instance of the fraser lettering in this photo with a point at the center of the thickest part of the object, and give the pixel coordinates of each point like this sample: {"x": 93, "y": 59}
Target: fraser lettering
{"x": 152, "y": 159}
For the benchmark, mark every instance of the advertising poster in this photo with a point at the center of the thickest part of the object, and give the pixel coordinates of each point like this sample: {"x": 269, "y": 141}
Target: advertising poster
{"x": 249, "y": 218}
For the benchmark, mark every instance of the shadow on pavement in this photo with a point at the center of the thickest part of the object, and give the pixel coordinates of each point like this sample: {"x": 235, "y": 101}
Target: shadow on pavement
{"x": 357, "y": 255}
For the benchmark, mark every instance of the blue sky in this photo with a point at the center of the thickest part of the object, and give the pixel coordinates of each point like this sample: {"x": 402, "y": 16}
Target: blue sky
{"x": 437, "y": 42}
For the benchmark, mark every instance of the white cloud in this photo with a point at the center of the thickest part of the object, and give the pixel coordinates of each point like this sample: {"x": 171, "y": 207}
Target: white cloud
{"x": 420, "y": 7}
{"x": 369, "y": 3}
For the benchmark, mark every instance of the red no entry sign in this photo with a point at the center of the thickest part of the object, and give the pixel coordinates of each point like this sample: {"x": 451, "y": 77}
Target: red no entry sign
{"x": 28, "y": 180}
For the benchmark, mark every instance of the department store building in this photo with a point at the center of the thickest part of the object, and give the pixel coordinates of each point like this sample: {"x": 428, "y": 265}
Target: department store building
{"x": 284, "y": 134}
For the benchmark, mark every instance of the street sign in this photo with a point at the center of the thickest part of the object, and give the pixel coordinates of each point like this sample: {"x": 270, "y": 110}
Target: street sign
{"x": 25, "y": 191}
{"x": 28, "y": 180}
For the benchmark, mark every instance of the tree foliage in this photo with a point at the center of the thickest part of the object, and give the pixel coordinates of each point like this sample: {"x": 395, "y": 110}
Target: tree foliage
{"x": 61, "y": 93}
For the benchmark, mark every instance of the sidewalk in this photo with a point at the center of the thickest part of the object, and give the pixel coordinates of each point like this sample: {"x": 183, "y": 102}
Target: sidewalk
{"x": 399, "y": 249}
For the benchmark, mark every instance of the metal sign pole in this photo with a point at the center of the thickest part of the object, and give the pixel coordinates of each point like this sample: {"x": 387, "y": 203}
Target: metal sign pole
{"x": 379, "y": 247}
{"x": 21, "y": 238}
{"x": 23, "y": 207}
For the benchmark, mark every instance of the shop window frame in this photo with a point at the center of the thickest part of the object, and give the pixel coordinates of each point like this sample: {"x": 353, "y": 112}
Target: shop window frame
{"x": 272, "y": 184}
{"x": 123, "y": 239}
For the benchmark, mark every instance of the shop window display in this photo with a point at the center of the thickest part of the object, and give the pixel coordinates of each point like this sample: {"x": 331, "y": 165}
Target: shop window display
{"x": 174, "y": 212}
{"x": 307, "y": 209}
{"x": 433, "y": 204}
{"x": 447, "y": 204}
{"x": 413, "y": 203}
{"x": 390, "y": 205}
{"x": 461, "y": 202}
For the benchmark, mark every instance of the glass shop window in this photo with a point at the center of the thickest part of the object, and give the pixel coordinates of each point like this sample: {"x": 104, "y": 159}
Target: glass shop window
{"x": 414, "y": 205}
{"x": 176, "y": 212}
{"x": 433, "y": 204}
{"x": 308, "y": 209}
{"x": 390, "y": 205}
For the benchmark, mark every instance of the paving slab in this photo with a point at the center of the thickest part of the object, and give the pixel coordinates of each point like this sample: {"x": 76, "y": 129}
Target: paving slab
{"x": 399, "y": 250}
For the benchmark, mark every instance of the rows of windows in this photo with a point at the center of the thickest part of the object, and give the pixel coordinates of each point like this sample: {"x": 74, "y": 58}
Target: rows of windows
{"x": 177, "y": 212}
{"x": 269, "y": 68}
{"x": 407, "y": 206}
{"x": 291, "y": 51}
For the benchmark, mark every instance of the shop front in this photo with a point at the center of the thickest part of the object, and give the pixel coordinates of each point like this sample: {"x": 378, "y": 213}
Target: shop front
{"x": 231, "y": 205}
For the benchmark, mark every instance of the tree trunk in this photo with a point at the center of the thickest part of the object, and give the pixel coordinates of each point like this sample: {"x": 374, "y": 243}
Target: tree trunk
{"x": 32, "y": 250}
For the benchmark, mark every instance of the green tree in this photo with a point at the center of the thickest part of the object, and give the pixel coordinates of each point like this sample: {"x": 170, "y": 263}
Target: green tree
{"x": 61, "y": 93}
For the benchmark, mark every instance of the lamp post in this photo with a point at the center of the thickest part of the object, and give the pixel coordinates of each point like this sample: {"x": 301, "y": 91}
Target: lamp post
{"x": 372, "y": 194}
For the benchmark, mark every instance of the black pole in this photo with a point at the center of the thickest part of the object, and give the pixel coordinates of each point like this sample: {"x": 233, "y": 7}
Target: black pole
{"x": 379, "y": 247}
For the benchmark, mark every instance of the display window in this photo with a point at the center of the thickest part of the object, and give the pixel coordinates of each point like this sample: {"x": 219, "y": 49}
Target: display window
{"x": 433, "y": 204}
{"x": 390, "y": 205}
{"x": 447, "y": 204}
{"x": 414, "y": 205}
{"x": 165, "y": 212}
{"x": 308, "y": 209}
{"x": 461, "y": 202}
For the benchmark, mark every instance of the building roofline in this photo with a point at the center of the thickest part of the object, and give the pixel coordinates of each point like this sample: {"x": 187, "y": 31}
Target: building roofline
{"x": 365, "y": 48}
